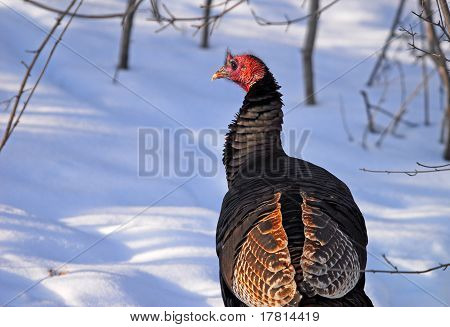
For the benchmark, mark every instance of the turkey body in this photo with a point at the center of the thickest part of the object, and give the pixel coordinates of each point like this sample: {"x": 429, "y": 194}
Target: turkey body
{"x": 289, "y": 232}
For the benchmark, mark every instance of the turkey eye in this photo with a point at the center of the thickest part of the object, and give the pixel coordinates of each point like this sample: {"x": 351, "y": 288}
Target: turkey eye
{"x": 233, "y": 64}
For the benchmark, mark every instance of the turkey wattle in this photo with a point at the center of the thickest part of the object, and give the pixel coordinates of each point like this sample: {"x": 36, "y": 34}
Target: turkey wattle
{"x": 289, "y": 232}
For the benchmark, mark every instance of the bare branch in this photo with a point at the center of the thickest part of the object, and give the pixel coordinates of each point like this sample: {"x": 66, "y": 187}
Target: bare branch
{"x": 426, "y": 89}
{"x": 386, "y": 83}
{"x": 265, "y": 22}
{"x": 171, "y": 19}
{"x": 13, "y": 121}
{"x": 430, "y": 169}
{"x": 435, "y": 53}
{"x": 401, "y": 73}
{"x": 430, "y": 21}
{"x": 370, "y": 123}
{"x": 443, "y": 266}
{"x": 389, "y": 262}
{"x": 390, "y": 114}
{"x": 58, "y": 11}
{"x": 155, "y": 10}
{"x": 168, "y": 20}
{"x": 344, "y": 120}
{"x": 391, "y": 35}
{"x": 7, "y": 103}
{"x": 401, "y": 111}
{"x": 219, "y": 4}
{"x": 213, "y": 19}
{"x": 433, "y": 166}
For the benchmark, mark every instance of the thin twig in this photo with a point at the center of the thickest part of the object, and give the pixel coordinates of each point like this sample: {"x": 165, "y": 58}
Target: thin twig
{"x": 443, "y": 266}
{"x": 287, "y": 22}
{"x": 432, "y": 166}
{"x": 370, "y": 122}
{"x": 401, "y": 73}
{"x": 154, "y": 8}
{"x": 430, "y": 21}
{"x": 389, "y": 262}
{"x": 52, "y": 51}
{"x": 212, "y": 5}
{"x": 390, "y": 114}
{"x": 214, "y": 18}
{"x": 386, "y": 83}
{"x": 344, "y": 120}
{"x": 168, "y": 20}
{"x": 88, "y": 16}
{"x": 430, "y": 169}
{"x": 364, "y": 138}
{"x": 401, "y": 111}
{"x": 171, "y": 19}
{"x": 7, "y": 103}
{"x": 426, "y": 89}
{"x": 391, "y": 35}
{"x": 13, "y": 120}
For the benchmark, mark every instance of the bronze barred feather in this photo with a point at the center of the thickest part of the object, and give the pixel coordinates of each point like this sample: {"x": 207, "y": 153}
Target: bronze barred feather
{"x": 289, "y": 232}
{"x": 263, "y": 274}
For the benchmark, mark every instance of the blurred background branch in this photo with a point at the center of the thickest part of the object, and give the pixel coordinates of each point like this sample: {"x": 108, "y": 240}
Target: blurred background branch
{"x": 15, "y": 115}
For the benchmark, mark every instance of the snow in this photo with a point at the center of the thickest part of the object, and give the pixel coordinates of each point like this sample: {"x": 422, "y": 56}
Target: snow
{"x": 71, "y": 197}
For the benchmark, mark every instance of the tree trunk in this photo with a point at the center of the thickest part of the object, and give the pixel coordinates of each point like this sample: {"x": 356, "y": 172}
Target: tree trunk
{"x": 447, "y": 142}
{"x": 125, "y": 38}
{"x": 308, "y": 50}
{"x": 441, "y": 64}
{"x": 446, "y": 13}
{"x": 205, "y": 35}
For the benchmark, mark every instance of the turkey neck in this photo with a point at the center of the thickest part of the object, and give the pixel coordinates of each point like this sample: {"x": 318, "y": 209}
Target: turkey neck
{"x": 254, "y": 135}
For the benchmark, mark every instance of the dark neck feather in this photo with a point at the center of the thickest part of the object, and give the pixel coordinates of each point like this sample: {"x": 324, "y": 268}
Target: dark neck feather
{"x": 254, "y": 135}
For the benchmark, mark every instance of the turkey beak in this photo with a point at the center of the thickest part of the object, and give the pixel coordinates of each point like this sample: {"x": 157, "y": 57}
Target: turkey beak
{"x": 221, "y": 73}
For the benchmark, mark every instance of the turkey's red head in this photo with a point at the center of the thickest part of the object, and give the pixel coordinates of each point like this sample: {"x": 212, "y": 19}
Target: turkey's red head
{"x": 245, "y": 70}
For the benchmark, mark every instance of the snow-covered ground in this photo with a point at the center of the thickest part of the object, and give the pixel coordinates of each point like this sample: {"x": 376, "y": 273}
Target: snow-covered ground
{"x": 69, "y": 185}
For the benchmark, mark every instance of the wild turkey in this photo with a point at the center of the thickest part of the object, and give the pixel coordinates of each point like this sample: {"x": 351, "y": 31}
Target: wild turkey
{"x": 289, "y": 232}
